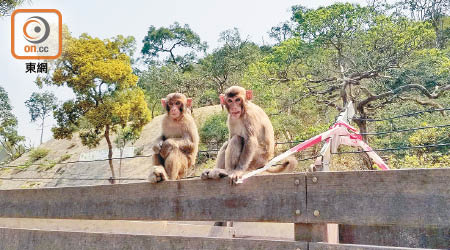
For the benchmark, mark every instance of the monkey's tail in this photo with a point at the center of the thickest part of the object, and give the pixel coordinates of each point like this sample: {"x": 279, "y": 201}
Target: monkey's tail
{"x": 286, "y": 166}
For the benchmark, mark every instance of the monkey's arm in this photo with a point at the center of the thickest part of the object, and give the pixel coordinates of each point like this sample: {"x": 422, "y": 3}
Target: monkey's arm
{"x": 157, "y": 144}
{"x": 157, "y": 159}
{"x": 248, "y": 152}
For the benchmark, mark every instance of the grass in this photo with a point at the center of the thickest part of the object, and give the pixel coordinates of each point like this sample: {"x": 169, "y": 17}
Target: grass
{"x": 64, "y": 158}
{"x": 38, "y": 153}
{"x": 30, "y": 184}
{"x": 198, "y": 169}
{"x": 50, "y": 164}
{"x": 46, "y": 166}
{"x": 23, "y": 167}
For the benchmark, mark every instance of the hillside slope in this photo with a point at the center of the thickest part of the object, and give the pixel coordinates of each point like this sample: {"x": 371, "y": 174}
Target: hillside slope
{"x": 69, "y": 174}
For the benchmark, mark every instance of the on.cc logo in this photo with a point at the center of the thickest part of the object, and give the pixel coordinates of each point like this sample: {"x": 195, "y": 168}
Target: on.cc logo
{"x": 36, "y": 34}
{"x": 36, "y": 29}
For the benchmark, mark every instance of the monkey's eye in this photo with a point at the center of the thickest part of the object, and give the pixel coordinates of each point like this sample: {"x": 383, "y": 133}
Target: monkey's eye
{"x": 230, "y": 101}
{"x": 238, "y": 99}
{"x": 177, "y": 103}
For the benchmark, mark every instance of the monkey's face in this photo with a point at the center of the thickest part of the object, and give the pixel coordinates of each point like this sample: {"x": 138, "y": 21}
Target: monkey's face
{"x": 234, "y": 106}
{"x": 175, "y": 104}
{"x": 175, "y": 108}
{"x": 235, "y": 100}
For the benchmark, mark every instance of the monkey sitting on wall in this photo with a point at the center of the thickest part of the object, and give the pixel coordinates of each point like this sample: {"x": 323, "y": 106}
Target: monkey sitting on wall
{"x": 176, "y": 149}
{"x": 251, "y": 142}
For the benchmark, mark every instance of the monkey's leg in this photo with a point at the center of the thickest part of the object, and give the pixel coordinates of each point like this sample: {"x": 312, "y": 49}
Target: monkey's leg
{"x": 157, "y": 160}
{"x": 220, "y": 162}
{"x": 175, "y": 164}
{"x": 157, "y": 172}
{"x": 260, "y": 159}
{"x": 219, "y": 170}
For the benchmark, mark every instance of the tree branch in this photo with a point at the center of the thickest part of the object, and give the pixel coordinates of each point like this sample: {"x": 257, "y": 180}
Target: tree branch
{"x": 438, "y": 91}
{"x": 323, "y": 80}
{"x": 422, "y": 102}
{"x": 359, "y": 76}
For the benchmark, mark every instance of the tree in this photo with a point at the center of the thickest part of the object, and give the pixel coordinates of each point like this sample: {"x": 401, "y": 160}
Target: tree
{"x": 279, "y": 87}
{"x": 100, "y": 75}
{"x": 226, "y": 65}
{"x": 125, "y": 136}
{"x": 158, "y": 81}
{"x": 40, "y": 107}
{"x": 6, "y": 6}
{"x": 285, "y": 30}
{"x": 282, "y": 32}
{"x": 10, "y": 140}
{"x": 364, "y": 53}
{"x": 168, "y": 40}
{"x": 342, "y": 53}
{"x": 434, "y": 11}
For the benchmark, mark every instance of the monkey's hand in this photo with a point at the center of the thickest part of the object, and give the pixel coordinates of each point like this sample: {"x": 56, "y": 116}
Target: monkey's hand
{"x": 167, "y": 147}
{"x": 215, "y": 174}
{"x": 157, "y": 147}
{"x": 184, "y": 144}
{"x": 157, "y": 174}
{"x": 235, "y": 176}
{"x": 187, "y": 148}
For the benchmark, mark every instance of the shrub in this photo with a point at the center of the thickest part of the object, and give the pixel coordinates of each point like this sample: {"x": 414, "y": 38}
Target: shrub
{"x": 214, "y": 131}
{"x": 38, "y": 153}
{"x": 208, "y": 97}
{"x": 139, "y": 150}
{"x": 64, "y": 158}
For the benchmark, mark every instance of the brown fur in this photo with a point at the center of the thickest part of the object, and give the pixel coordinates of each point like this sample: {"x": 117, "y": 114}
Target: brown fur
{"x": 175, "y": 151}
{"x": 251, "y": 142}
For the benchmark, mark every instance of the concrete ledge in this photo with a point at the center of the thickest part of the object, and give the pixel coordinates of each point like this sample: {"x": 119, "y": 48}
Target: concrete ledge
{"x": 22, "y": 239}
{"x": 189, "y": 229}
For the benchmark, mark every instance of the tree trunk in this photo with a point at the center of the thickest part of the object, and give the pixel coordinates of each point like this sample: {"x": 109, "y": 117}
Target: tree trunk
{"x": 42, "y": 130}
{"x": 9, "y": 152}
{"x": 362, "y": 125}
{"x": 110, "y": 153}
{"x": 153, "y": 109}
{"x": 120, "y": 162}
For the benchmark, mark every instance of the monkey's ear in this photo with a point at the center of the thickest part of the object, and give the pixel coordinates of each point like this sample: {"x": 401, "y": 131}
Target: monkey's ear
{"x": 249, "y": 94}
{"x": 189, "y": 103}
{"x": 163, "y": 102}
{"x": 222, "y": 99}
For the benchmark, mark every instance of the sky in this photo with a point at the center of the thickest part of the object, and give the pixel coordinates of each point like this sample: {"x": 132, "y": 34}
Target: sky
{"x": 106, "y": 19}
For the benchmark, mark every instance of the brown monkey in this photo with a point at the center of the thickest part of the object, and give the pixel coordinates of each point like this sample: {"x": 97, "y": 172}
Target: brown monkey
{"x": 176, "y": 149}
{"x": 251, "y": 143}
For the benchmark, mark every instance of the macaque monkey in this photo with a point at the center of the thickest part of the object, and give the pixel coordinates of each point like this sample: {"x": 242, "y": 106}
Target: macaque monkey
{"x": 176, "y": 149}
{"x": 251, "y": 143}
